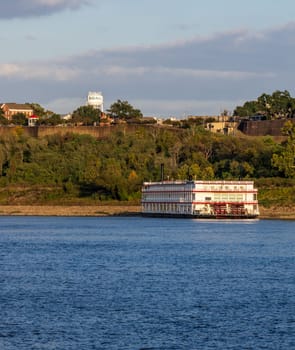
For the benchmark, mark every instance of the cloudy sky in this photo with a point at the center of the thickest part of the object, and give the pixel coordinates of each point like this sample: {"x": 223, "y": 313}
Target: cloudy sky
{"x": 166, "y": 57}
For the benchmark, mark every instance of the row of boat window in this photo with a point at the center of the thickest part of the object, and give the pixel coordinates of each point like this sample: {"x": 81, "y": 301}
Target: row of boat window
{"x": 187, "y": 196}
{"x": 167, "y": 207}
{"x": 203, "y": 188}
{"x": 169, "y": 196}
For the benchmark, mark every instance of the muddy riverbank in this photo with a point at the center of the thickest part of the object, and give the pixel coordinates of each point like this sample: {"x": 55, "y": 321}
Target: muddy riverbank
{"x": 110, "y": 210}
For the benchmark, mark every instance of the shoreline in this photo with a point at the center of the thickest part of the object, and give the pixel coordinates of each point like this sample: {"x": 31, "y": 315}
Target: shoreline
{"x": 68, "y": 210}
{"x": 282, "y": 213}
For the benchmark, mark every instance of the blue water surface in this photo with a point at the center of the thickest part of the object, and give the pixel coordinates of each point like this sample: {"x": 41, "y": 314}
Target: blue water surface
{"x": 72, "y": 283}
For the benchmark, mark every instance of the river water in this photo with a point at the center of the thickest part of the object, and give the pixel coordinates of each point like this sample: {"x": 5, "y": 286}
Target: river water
{"x": 137, "y": 283}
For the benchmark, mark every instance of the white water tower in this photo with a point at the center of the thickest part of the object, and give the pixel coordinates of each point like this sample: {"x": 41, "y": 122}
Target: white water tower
{"x": 95, "y": 99}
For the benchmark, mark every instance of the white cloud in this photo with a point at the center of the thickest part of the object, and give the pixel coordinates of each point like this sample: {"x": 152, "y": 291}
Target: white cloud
{"x": 38, "y": 71}
{"x": 183, "y": 72}
{"x": 9, "y": 70}
{"x": 201, "y": 76}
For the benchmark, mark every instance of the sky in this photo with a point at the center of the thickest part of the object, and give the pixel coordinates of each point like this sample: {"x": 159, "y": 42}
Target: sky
{"x": 167, "y": 58}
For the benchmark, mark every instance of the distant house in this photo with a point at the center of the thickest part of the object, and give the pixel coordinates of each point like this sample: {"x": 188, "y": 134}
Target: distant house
{"x": 105, "y": 120}
{"x": 66, "y": 116}
{"x": 216, "y": 126}
{"x": 225, "y": 128}
{"x": 10, "y": 109}
{"x": 149, "y": 120}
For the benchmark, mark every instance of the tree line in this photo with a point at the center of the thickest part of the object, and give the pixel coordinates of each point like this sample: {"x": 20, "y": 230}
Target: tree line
{"x": 279, "y": 104}
{"x": 83, "y": 115}
{"x": 81, "y": 166}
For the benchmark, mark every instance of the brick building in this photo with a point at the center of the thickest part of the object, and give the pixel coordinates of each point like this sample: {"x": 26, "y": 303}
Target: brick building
{"x": 10, "y": 109}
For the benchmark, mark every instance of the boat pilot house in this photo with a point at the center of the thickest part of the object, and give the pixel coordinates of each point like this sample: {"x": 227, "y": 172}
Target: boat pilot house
{"x": 200, "y": 199}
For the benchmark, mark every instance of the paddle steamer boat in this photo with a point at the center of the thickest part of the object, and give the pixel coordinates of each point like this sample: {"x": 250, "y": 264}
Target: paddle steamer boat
{"x": 200, "y": 199}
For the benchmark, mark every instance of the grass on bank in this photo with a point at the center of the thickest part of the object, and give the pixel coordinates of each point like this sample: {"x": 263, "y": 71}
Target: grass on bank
{"x": 54, "y": 195}
{"x": 276, "y": 192}
{"x": 272, "y": 192}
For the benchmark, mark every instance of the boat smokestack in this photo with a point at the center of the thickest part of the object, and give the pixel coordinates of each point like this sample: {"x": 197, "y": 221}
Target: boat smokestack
{"x": 162, "y": 172}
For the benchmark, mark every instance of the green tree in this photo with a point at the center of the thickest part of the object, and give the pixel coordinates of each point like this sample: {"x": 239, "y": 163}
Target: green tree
{"x": 38, "y": 110}
{"x": 19, "y": 119}
{"x": 279, "y": 104}
{"x": 53, "y": 120}
{"x": 124, "y": 111}
{"x": 282, "y": 105}
{"x": 285, "y": 160}
{"x": 249, "y": 108}
{"x": 264, "y": 103}
{"x": 87, "y": 115}
{"x": 195, "y": 172}
{"x": 3, "y": 120}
